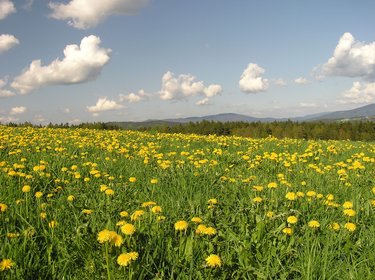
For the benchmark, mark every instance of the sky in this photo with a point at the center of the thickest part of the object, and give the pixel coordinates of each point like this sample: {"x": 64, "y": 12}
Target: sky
{"x": 78, "y": 61}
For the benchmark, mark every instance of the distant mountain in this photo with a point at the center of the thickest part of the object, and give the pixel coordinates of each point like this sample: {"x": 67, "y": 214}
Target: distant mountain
{"x": 227, "y": 117}
{"x": 362, "y": 113}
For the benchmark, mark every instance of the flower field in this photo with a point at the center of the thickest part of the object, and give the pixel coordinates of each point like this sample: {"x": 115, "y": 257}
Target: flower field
{"x": 90, "y": 204}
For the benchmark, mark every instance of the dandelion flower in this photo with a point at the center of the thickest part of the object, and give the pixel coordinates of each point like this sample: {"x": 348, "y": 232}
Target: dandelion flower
{"x": 311, "y": 194}
{"x": 291, "y": 196}
{"x": 209, "y": 231}
{"x": 52, "y": 224}
{"x": 128, "y": 229}
{"x": 6, "y": 264}
{"x": 212, "y": 201}
{"x": 270, "y": 214}
{"x": 196, "y": 220}
{"x": 136, "y": 215}
{"x": 156, "y": 209}
{"x": 347, "y": 205}
{"x": 70, "y": 198}
{"x": 26, "y": 188}
{"x": 104, "y": 236}
{"x": 43, "y": 215}
{"x": 272, "y": 185}
{"x": 125, "y": 258}
{"x": 124, "y": 214}
{"x": 87, "y": 211}
{"x": 288, "y": 231}
{"x": 350, "y": 227}
{"x": 3, "y": 207}
{"x": 292, "y": 219}
{"x": 213, "y": 261}
{"x": 132, "y": 179}
{"x": 109, "y": 192}
{"x": 148, "y": 203}
{"x": 257, "y": 199}
{"x": 180, "y": 225}
{"x": 38, "y": 194}
{"x": 335, "y": 226}
{"x": 314, "y": 224}
{"x": 372, "y": 202}
{"x": 200, "y": 229}
{"x": 349, "y": 212}
{"x": 154, "y": 181}
{"x": 117, "y": 240}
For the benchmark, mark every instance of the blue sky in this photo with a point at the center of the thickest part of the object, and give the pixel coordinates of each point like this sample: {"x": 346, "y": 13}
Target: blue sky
{"x": 132, "y": 60}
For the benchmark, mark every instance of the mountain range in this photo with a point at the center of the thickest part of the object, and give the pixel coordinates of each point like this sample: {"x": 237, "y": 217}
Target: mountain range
{"x": 362, "y": 113}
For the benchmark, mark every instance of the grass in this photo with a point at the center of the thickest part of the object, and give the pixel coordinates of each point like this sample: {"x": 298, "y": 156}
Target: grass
{"x": 104, "y": 173}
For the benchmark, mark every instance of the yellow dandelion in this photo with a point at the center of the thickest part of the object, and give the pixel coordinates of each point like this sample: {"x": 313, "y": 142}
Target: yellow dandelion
{"x": 257, "y": 199}
{"x": 300, "y": 194}
{"x": 26, "y": 188}
{"x": 373, "y": 202}
{"x": 272, "y": 185}
{"x": 335, "y": 226}
{"x": 12, "y": 234}
{"x": 132, "y": 179}
{"x": 350, "y": 227}
{"x": 291, "y": 196}
{"x": 3, "y": 207}
{"x": 52, "y": 224}
{"x": 212, "y": 201}
{"x": 213, "y": 261}
{"x": 209, "y": 231}
{"x": 311, "y": 194}
{"x": 87, "y": 211}
{"x": 104, "y": 236}
{"x": 156, "y": 209}
{"x": 288, "y": 231}
{"x": 128, "y": 229}
{"x": 103, "y": 188}
{"x": 124, "y": 214}
{"x": 160, "y": 218}
{"x": 135, "y": 216}
{"x": 38, "y": 194}
{"x": 109, "y": 192}
{"x": 148, "y": 203}
{"x": 6, "y": 264}
{"x": 125, "y": 258}
{"x": 258, "y": 188}
{"x": 347, "y": 205}
{"x": 373, "y": 190}
{"x": 43, "y": 215}
{"x": 270, "y": 214}
{"x": 181, "y": 225}
{"x": 120, "y": 223}
{"x": 117, "y": 240}
{"x": 292, "y": 219}
{"x": 196, "y": 220}
{"x": 71, "y": 198}
{"x": 349, "y": 212}
{"x": 200, "y": 229}
{"x": 314, "y": 224}
{"x": 154, "y": 181}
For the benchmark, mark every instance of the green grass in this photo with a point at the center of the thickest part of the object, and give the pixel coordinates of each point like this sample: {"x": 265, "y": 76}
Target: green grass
{"x": 189, "y": 170}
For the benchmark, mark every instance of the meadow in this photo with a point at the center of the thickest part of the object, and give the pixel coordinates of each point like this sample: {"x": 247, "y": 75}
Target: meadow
{"x": 94, "y": 204}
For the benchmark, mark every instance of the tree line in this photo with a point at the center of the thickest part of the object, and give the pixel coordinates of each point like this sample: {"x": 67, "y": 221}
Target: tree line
{"x": 353, "y": 130}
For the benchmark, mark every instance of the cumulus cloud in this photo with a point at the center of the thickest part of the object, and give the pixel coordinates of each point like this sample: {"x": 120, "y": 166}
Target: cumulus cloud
{"x": 8, "y": 119}
{"x": 351, "y": 58}
{"x": 204, "y": 102}
{"x": 184, "y": 86}
{"x": 251, "y": 80}
{"x": 4, "y": 92}
{"x": 39, "y": 118}
{"x": 359, "y": 93}
{"x": 280, "y": 82}
{"x": 301, "y": 81}
{"x": 6, "y": 8}
{"x": 104, "y": 104}
{"x": 84, "y": 14}
{"x": 134, "y": 97}
{"x": 80, "y": 64}
{"x": 7, "y": 42}
{"x": 18, "y": 110}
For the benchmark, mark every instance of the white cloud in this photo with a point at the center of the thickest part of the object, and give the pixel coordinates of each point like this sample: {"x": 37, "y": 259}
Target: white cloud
{"x": 67, "y": 110}
{"x": 18, "y": 110}
{"x": 5, "y": 92}
{"x": 104, "y": 104}
{"x": 251, "y": 80}
{"x": 84, "y": 14}
{"x": 360, "y": 93}
{"x": 80, "y": 64}
{"x": 308, "y": 105}
{"x": 7, "y": 42}
{"x": 185, "y": 85}
{"x": 351, "y": 58}
{"x": 6, "y": 8}
{"x": 8, "y": 119}
{"x": 28, "y": 5}
{"x": 39, "y": 118}
{"x": 301, "y": 81}
{"x": 134, "y": 97}
{"x": 203, "y": 102}
{"x": 280, "y": 82}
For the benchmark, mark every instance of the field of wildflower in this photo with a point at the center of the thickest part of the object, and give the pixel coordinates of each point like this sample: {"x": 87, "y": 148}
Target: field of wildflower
{"x": 90, "y": 204}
